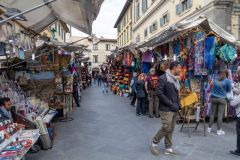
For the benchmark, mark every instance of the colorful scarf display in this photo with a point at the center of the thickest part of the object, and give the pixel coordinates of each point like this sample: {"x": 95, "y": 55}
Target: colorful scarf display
{"x": 146, "y": 66}
{"x": 147, "y": 56}
{"x": 209, "y": 55}
{"x": 199, "y": 54}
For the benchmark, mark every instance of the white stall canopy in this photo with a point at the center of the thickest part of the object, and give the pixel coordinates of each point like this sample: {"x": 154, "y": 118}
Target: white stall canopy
{"x": 78, "y": 13}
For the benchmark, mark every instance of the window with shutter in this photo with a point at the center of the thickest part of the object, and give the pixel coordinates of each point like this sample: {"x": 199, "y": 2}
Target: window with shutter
{"x": 137, "y": 11}
{"x": 168, "y": 17}
{"x": 161, "y": 22}
{"x": 144, "y": 6}
{"x": 184, "y": 5}
{"x": 164, "y": 20}
{"x": 178, "y": 9}
{"x": 154, "y": 26}
{"x": 150, "y": 29}
{"x": 146, "y": 32}
{"x": 189, "y": 3}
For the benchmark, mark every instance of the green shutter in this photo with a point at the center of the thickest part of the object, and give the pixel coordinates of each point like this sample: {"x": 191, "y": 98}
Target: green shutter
{"x": 168, "y": 17}
{"x": 161, "y": 22}
{"x": 150, "y": 29}
{"x": 189, "y": 3}
{"x": 178, "y": 9}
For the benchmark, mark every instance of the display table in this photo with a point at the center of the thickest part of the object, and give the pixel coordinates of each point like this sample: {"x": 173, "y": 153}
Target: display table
{"x": 192, "y": 111}
{"x": 49, "y": 116}
{"x": 188, "y": 117}
{"x": 21, "y": 135}
{"x": 34, "y": 140}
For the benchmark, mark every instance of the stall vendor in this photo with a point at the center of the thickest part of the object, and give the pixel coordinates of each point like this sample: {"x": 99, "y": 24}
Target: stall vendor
{"x": 5, "y": 109}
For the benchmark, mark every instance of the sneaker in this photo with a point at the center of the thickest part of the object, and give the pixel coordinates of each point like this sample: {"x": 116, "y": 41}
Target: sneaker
{"x": 154, "y": 149}
{"x": 209, "y": 130}
{"x": 150, "y": 116}
{"x": 220, "y": 132}
{"x": 138, "y": 114}
{"x": 170, "y": 152}
{"x": 235, "y": 153}
{"x": 223, "y": 133}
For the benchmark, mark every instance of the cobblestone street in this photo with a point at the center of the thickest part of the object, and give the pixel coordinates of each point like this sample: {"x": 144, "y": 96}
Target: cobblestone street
{"x": 106, "y": 128}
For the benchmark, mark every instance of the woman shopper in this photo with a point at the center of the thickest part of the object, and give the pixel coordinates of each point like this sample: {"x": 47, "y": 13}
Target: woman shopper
{"x": 133, "y": 86}
{"x": 236, "y": 103}
{"x": 141, "y": 95}
{"x": 105, "y": 84}
{"x": 221, "y": 86}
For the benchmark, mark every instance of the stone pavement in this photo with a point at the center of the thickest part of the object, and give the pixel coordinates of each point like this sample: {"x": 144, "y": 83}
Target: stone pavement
{"x": 106, "y": 128}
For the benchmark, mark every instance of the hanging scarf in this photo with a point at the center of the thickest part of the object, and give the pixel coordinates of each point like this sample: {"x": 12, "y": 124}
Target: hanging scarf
{"x": 173, "y": 79}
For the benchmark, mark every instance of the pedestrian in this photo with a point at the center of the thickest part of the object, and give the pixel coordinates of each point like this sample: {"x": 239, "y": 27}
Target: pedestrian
{"x": 90, "y": 80}
{"x": 141, "y": 95}
{"x": 105, "y": 84}
{"x": 236, "y": 103}
{"x": 168, "y": 93}
{"x": 160, "y": 68}
{"x": 151, "y": 85}
{"x": 95, "y": 79}
{"x": 221, "y": 86}
{"x": 99, "y": 79}
{"x": 133, "y": 86}
{"x": 75, "y": 91}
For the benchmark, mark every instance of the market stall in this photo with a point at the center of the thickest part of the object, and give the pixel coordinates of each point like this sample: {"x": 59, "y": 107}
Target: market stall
{"x": 201, "y": 47}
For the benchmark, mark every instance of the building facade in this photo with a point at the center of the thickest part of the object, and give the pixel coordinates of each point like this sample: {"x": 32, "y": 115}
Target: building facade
{"x": 124, "y": 25}
{"x": 152, "y": 17}
{"x": 99, "y": 51}
{"x": 57, "y": 31}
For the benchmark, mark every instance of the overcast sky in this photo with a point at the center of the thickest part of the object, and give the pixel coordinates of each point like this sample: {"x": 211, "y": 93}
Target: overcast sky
{"x": 103, "y": 25}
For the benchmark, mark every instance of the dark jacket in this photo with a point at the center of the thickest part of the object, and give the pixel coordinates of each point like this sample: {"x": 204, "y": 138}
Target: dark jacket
{"x": 134, "y": 86}
{"x": 141, "y": 91}
{"x": 168, "y": 95}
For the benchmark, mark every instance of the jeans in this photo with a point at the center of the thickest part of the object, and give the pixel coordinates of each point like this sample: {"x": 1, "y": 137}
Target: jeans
{"x": 76, "y": 98}
{"x": 95, "y": 81}
{"x": 99, "y": 82}
{"x": 168, "y": 120}
{"x": 134, "y": 98}
{"x": 238, "y": 134}
{"x": 141, "y": 105}
{"x": 217, "y": 108}
{"x": 105, "y": 88}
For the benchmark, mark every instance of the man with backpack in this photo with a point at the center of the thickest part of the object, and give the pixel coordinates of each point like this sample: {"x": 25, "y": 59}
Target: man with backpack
{"x": 151, "y": 85}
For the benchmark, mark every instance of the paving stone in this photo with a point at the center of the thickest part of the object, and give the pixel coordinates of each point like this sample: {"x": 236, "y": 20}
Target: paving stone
{"x": 105, "y": 128}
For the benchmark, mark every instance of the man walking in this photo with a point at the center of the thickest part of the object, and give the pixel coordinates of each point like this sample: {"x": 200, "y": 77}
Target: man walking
{"x": 168, "y": 93}
{"x": 99, "y": 79}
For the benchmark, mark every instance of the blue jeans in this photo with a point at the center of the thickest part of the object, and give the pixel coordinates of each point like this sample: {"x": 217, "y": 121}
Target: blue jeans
{"x": 105, "y": 88}
{"x": 95, "y": 81}
{"x": 141, "y": 102}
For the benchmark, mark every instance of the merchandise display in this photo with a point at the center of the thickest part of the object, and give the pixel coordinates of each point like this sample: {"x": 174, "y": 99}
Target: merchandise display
{"x": 16, "y": 146}
{"x": 28, "y": 107}
{"x": 199, "y": 53}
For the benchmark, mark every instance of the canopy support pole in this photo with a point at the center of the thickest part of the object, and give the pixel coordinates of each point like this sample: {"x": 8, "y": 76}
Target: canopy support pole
{"x": 26, "y": 11}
